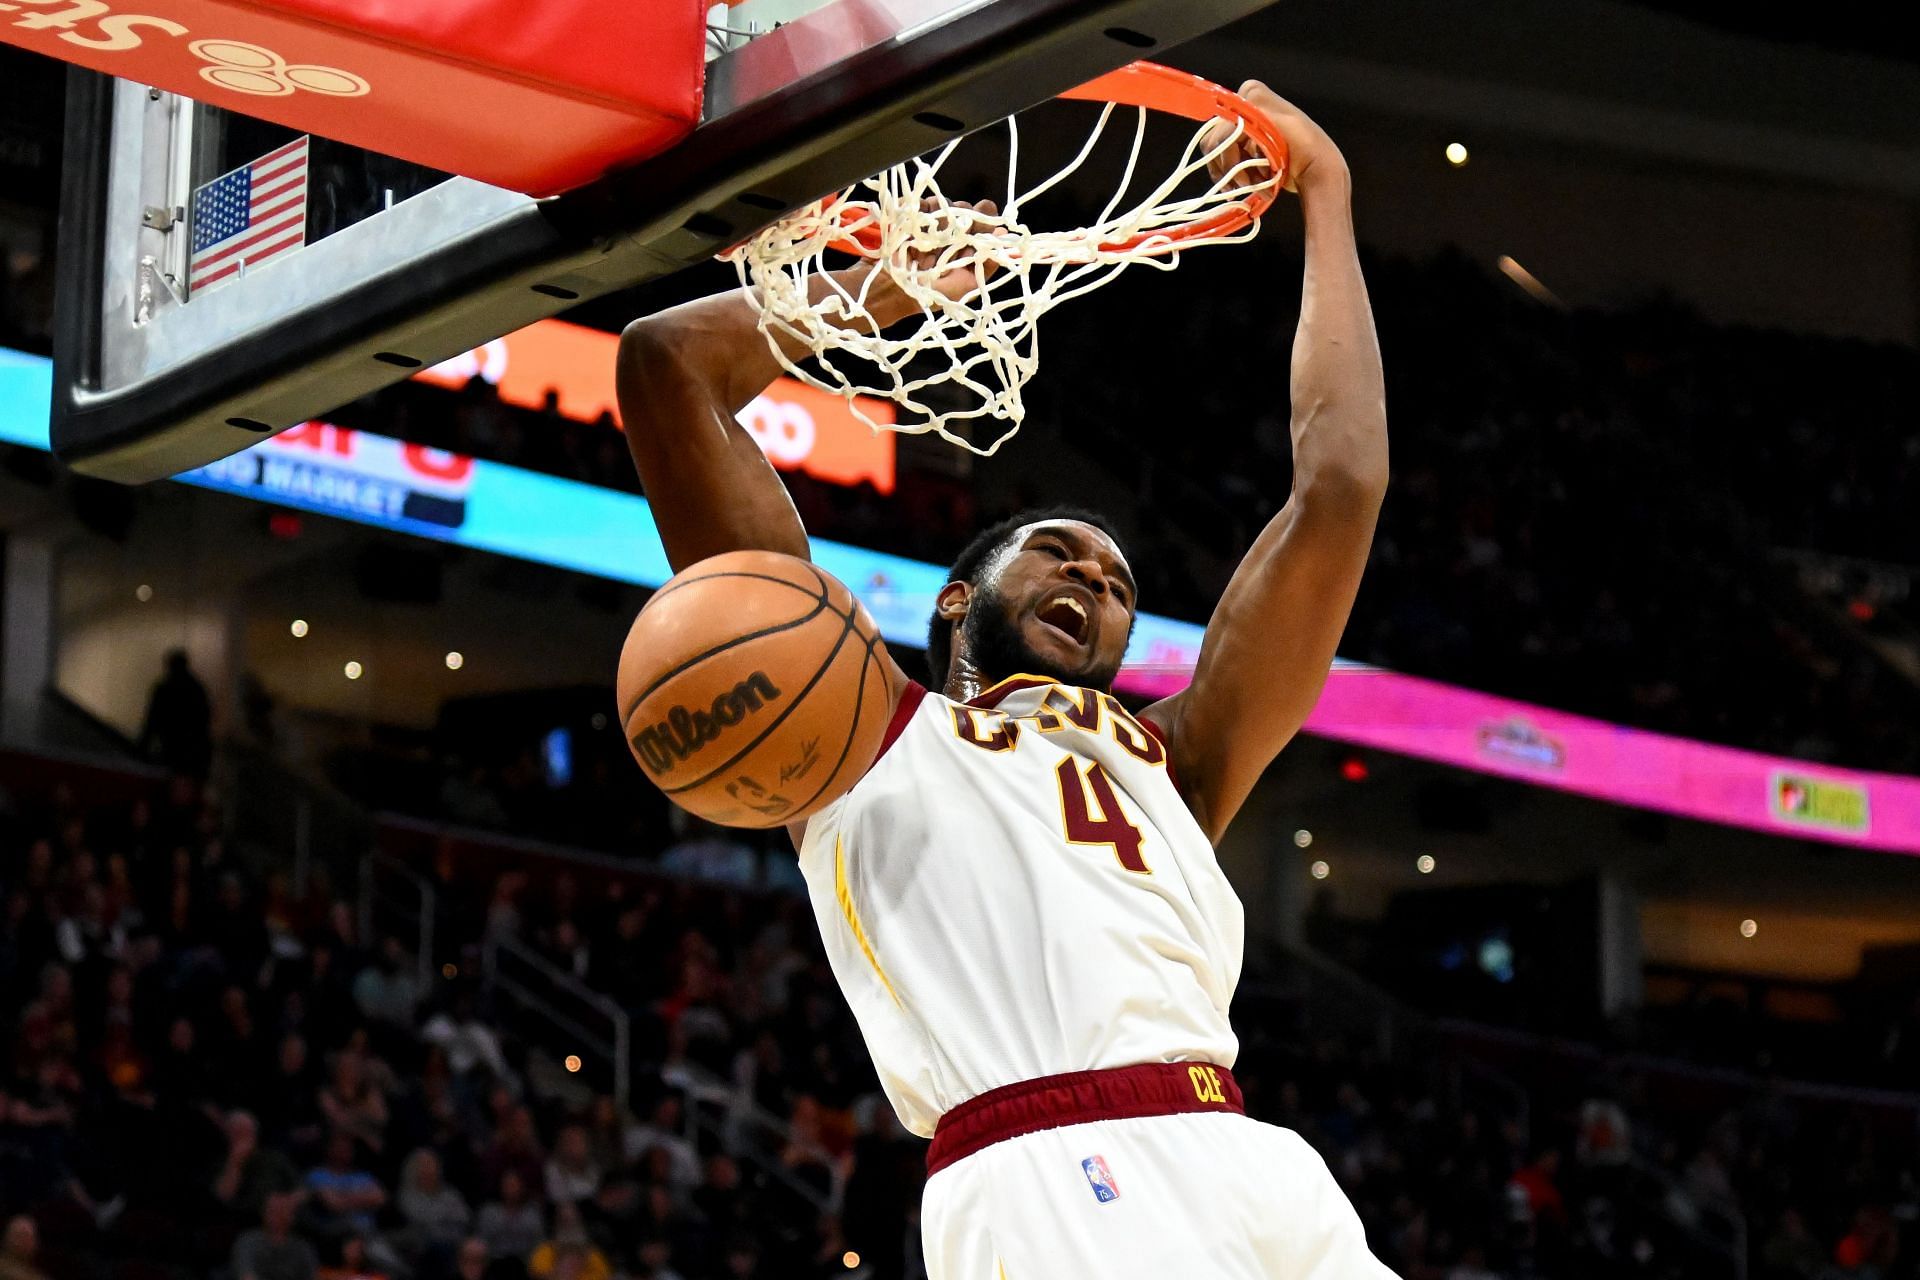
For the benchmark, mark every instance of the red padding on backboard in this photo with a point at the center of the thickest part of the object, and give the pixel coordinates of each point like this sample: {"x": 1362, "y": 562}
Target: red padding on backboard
{"x": 537, "y": 95}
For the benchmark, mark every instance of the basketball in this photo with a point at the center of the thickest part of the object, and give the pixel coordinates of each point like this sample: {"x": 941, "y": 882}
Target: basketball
{"x": 752, "y": 689}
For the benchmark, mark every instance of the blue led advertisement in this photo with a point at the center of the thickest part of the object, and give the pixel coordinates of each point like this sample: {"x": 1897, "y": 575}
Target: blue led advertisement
{"x": 387, "y": 483}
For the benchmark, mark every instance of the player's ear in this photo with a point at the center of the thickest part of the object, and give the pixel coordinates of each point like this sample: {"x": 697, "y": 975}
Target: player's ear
{"x": 951, "y": 604}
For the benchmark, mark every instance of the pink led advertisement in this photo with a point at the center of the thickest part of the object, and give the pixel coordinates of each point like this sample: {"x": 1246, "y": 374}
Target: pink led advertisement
{"x": 1381, "y": 709}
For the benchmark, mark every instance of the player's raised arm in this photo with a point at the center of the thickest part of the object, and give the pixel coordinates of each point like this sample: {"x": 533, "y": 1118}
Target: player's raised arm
{"x": 682, "y": 376}
{"x": 1271, "y": 638}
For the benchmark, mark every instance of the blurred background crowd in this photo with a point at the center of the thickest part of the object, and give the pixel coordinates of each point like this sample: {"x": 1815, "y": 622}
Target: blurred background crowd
{"x": 211, "y": 1071}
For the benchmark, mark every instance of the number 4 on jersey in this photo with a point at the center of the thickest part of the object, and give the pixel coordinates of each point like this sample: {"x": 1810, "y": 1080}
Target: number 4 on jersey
{"x": 1111, "y": 827}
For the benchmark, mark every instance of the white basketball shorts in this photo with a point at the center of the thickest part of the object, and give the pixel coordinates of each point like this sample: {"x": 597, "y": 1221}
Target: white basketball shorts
{"x": 1212, "y": 1196}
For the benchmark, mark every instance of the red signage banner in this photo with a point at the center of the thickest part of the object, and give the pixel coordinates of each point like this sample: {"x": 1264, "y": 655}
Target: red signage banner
{"x": 538, "y": 98}
{"x": 799, "y": 427}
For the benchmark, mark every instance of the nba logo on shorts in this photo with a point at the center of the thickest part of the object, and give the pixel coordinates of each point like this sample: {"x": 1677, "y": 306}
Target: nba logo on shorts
{"x": 1100, "y": 1178}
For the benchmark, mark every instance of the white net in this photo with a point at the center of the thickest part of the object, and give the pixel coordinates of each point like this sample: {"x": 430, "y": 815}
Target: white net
{"x": 985, "y": 343}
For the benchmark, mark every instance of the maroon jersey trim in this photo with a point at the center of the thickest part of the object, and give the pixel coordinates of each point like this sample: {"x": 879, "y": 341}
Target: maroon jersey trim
{"x": 1007, "y": 688}
{"x": 909, "y": 703}
{"x": 1160, "y": 736}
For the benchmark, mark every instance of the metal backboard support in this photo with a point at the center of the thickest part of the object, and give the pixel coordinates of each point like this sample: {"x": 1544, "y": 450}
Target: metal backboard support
{"x": 151, "y": 380}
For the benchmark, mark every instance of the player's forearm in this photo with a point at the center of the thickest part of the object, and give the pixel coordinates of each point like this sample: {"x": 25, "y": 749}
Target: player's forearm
{"x": 683, "y": 375}
{"x": 1339, "y": 393}
{"x": 715, "y": 342}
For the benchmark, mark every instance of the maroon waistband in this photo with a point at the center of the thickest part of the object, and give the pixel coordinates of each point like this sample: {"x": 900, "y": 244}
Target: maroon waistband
{"x": 1119, "y": 1093}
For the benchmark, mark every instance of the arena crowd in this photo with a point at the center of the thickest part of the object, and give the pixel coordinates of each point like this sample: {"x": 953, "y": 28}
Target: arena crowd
{"x": 211, "y": 1071}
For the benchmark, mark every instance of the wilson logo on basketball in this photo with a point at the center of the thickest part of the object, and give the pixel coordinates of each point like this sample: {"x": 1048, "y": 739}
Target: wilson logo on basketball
{"x": 686, "y": 730}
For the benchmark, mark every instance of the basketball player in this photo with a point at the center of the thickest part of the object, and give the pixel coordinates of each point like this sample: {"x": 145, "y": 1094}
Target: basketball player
{"x": 1020, "y": 897}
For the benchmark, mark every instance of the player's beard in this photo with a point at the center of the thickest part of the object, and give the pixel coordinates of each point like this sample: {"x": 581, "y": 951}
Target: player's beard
{"x": 997, "y": 650}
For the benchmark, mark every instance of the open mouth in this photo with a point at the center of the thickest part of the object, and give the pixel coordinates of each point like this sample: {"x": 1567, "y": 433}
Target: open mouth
{"x": 1067, "y": 615}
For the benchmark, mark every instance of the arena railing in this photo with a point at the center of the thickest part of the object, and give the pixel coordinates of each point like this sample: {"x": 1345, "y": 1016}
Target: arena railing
{"x": 728, "y": 1113}
{"x": 273, "y": 810}
{"x": 592, "y": 1024}
{"x": 395, "y": 901}
{"x": 715, "y": 1106}
{"x": 1718, "y": 1229}
{"x": 1335, "y": 996}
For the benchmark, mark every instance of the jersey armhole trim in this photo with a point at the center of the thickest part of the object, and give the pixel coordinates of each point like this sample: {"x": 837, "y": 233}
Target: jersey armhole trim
{"x": 1160, "y": 736}
{"x": 910, "y": 698}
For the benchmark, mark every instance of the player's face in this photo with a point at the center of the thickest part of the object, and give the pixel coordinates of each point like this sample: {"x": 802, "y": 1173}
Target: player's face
{"x": 1057, "y": 601}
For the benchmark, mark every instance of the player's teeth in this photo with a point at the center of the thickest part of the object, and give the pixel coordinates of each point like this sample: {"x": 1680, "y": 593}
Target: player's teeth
{"x": 1072, "y": 604}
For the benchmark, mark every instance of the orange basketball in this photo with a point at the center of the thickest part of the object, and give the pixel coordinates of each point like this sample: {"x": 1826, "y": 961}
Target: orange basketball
{"x": 753, "y": 689}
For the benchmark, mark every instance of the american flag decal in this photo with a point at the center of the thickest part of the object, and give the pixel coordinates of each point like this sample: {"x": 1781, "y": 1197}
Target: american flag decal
{"x": 248, "y": 216}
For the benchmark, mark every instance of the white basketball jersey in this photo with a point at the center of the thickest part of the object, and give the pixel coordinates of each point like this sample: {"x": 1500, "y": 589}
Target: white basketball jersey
{"x": 1016, "y": 889}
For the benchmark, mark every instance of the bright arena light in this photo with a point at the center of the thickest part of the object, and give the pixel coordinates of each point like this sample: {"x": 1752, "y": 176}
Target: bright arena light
{"x": 456, "y": 660}
{"x": 1456, "y": 154}
{"x": 143, "y": 593}
{"x": 849, "y": 1259}
{"x": 1529, "y": 282}
{"x": 1749, "y": 927}
{"x": 1302, "y": 838}
{"x": 573, "y": 1062}
{"x": 1424, "y": 863}
{"x": 299, "y": 628}
{"x": 354, "y": 670}
{"x": 1320, "y": 870}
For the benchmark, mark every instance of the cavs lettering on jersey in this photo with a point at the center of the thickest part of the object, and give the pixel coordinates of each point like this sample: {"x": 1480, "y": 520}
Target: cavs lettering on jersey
{"x": 1015, "y": 890}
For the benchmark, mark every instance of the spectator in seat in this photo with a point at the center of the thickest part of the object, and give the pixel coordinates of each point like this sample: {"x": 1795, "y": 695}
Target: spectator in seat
{"x": 431, "y": 1113}
{"x": 290, "y": 1112}
{"x": 470, "y": 1044}
{"x": 329, "y": 996}
{"x": 571, "y": 1173}
{"x": 271, "y": 1251}
{"x": 570, "y": 1254}
{"x": 569, "y": 949}
{"x": 47, "y": 1025}
{"x": 515, "y": 1146}
{"x": 1792, "y": 1252}
{"x": 654, "y": 1259}
{"x": 720, "y": 1198}
{"x": 181, "y": 1071}
{"x": 742, "y": 1259}
{"x": 712, "y": 853}
{"x": 437, "y": 1216}
{"x": 346, "y": 1198}
{"x": 606, "y": 1133}
{"x": 663, "y": 1128}
{"x": 251, "y": 1173}
{"x": 235, "y": 931}
{"x": 1472, "y": 1265}
{"x": 388, "y": 990}
{"x": 354, "y": 1264}
{"x": 1606, "y": 1135}
{"x": 353, "y": 1103}
{"x": 19, "y": 1249}
{"x": 511, "y": 1226}
{"x": 471, "y": 1260}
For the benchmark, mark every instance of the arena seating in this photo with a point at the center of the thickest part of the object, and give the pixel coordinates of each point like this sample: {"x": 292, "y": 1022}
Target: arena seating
{"x": 210, "y": 1071}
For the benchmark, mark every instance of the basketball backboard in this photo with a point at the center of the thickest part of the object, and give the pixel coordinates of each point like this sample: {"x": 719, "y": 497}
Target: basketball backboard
{"x": 164, "y": 364}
